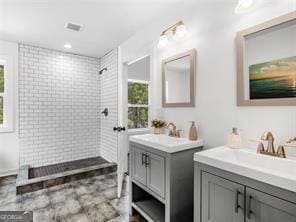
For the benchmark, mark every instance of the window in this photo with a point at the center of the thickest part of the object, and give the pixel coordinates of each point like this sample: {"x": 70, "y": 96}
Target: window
{"x": 2, "y": 63}
{"x": 6, "y": 93}
{"x": 138, "y": 104}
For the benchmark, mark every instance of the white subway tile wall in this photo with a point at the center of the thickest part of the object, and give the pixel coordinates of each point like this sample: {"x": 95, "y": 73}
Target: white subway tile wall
{"x": 59, "y": 106}
{"x": 109, "y": 99}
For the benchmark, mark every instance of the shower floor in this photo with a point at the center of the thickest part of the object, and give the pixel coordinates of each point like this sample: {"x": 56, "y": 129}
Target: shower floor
{"x": 66, "y": 166}
{"x": 30, "y": 179}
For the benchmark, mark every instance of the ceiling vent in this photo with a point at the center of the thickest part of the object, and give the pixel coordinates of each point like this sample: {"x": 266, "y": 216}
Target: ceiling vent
{"x": 73, "y": 26}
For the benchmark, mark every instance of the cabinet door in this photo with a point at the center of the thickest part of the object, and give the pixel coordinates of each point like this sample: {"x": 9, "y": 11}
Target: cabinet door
{"x": 138, "y": 166}
{"x": 156, "y": 174}
{"x": 261, "y": 207}
{"x": 222, "y": 200}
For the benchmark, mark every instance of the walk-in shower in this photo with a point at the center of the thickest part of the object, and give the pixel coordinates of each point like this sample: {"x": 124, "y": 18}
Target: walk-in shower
{"x": 63, "y": 135}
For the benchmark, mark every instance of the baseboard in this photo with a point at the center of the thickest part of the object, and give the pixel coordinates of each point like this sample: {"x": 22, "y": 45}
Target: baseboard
{"x": 8, "y": 172}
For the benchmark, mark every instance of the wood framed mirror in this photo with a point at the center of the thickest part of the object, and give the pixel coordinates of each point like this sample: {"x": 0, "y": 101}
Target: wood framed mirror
{"x": 178, "y": 80}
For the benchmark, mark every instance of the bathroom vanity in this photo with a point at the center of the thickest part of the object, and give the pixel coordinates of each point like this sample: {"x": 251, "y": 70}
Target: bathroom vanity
{"x": 243, "y": 186}
{"x": 161, "y": 177}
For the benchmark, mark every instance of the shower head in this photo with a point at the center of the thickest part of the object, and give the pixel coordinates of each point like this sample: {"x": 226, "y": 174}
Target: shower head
{"x": 102, "y": 70}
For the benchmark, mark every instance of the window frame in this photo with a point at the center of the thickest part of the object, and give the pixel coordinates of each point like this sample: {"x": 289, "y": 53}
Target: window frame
{"x": 8, "y": 94}
{"x": 140, "y": 105}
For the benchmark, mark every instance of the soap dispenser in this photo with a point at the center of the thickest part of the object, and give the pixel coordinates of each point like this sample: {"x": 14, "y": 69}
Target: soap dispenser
{"x": 234, "y": 139}
{"x": 192, "y": 131}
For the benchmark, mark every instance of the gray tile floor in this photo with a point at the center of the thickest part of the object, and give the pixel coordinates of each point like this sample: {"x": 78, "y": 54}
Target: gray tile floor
{"x": 87, "y": 200}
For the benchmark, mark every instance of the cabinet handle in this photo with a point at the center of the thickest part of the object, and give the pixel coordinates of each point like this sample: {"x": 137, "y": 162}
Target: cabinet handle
{"x": 249, "y": 211}
{"x": 236, "y": 205}
{"x": 147, "y": 160}
{"x": 143, "y": 159}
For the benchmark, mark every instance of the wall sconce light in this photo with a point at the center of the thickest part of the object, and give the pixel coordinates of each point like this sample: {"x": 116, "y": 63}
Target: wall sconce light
{"x": 244, "y": 6}
{"x": 178, "y": 30}
{"x": 163, "y": 41}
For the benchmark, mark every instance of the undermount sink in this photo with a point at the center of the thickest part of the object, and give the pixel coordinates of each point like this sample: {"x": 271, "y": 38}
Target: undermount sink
{"x": 272, "y": 170}
{"x": 166, "y": 143}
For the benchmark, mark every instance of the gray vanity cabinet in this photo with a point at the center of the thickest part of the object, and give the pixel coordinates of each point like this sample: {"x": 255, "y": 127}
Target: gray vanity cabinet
{"x": 222, "y": 196}
{"x": 221, "y": 200}
{"x": 262, "y": 207}
{"x": 161, "y": 183}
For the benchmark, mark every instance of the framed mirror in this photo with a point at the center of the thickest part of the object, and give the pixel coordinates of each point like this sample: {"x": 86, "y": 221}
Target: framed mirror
{"x": 266, "y": 63}
{"x": 178, "y": 80}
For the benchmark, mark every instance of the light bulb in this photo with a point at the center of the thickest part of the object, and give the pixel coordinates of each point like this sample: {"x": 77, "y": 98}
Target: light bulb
{"x": 244, "y": 6}
{"x": 163, "y": 41}
{"x": 180, "y": 32}
{"x": 67, "y": 46}
{"x": 246, "y": 3}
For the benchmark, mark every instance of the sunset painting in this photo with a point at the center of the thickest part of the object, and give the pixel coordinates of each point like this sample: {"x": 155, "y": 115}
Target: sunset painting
{"x": 273, "y": 79}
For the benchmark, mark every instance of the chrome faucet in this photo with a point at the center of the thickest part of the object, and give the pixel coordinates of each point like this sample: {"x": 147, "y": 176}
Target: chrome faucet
{"x": 267, "y": 136}
{"x": 173, "y": 132}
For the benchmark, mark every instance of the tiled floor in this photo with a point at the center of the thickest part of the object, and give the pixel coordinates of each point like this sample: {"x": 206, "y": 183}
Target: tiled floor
{"x": 88, "y": 200}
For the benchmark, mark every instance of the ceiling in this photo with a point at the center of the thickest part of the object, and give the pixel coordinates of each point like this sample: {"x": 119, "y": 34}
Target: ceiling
{"x": 107, "y": 23}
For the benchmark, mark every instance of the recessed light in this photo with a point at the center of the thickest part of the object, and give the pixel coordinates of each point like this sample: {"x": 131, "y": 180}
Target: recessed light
{"x": 244, "y": 6}
{"x": 67, "y": 46}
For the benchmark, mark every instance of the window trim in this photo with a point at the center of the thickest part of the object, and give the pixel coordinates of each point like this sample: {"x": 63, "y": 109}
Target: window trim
{"x": 137, "y": 105}
{"x": 8, "y": 95}
{"x": 138, "y": 81}
{"x": 140, "y": 105}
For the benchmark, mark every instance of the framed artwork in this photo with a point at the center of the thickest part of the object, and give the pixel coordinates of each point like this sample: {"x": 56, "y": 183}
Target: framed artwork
{"x": 266, "y": 63}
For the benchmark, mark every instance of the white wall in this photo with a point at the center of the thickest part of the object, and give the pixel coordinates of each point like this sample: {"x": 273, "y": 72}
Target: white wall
{"x": 59, "y": 105}
{"x": 109, "y": 99}
{"x": 212, "y": 28}
{"x": 9, "y": 151}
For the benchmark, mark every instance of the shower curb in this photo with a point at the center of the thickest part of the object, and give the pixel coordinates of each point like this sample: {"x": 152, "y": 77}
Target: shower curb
{"x": 26, "y": 185}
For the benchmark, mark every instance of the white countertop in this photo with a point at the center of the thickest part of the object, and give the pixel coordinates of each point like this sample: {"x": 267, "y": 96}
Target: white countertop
{"x": 271, "y": 170}
{"x": 166, "y": 143}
